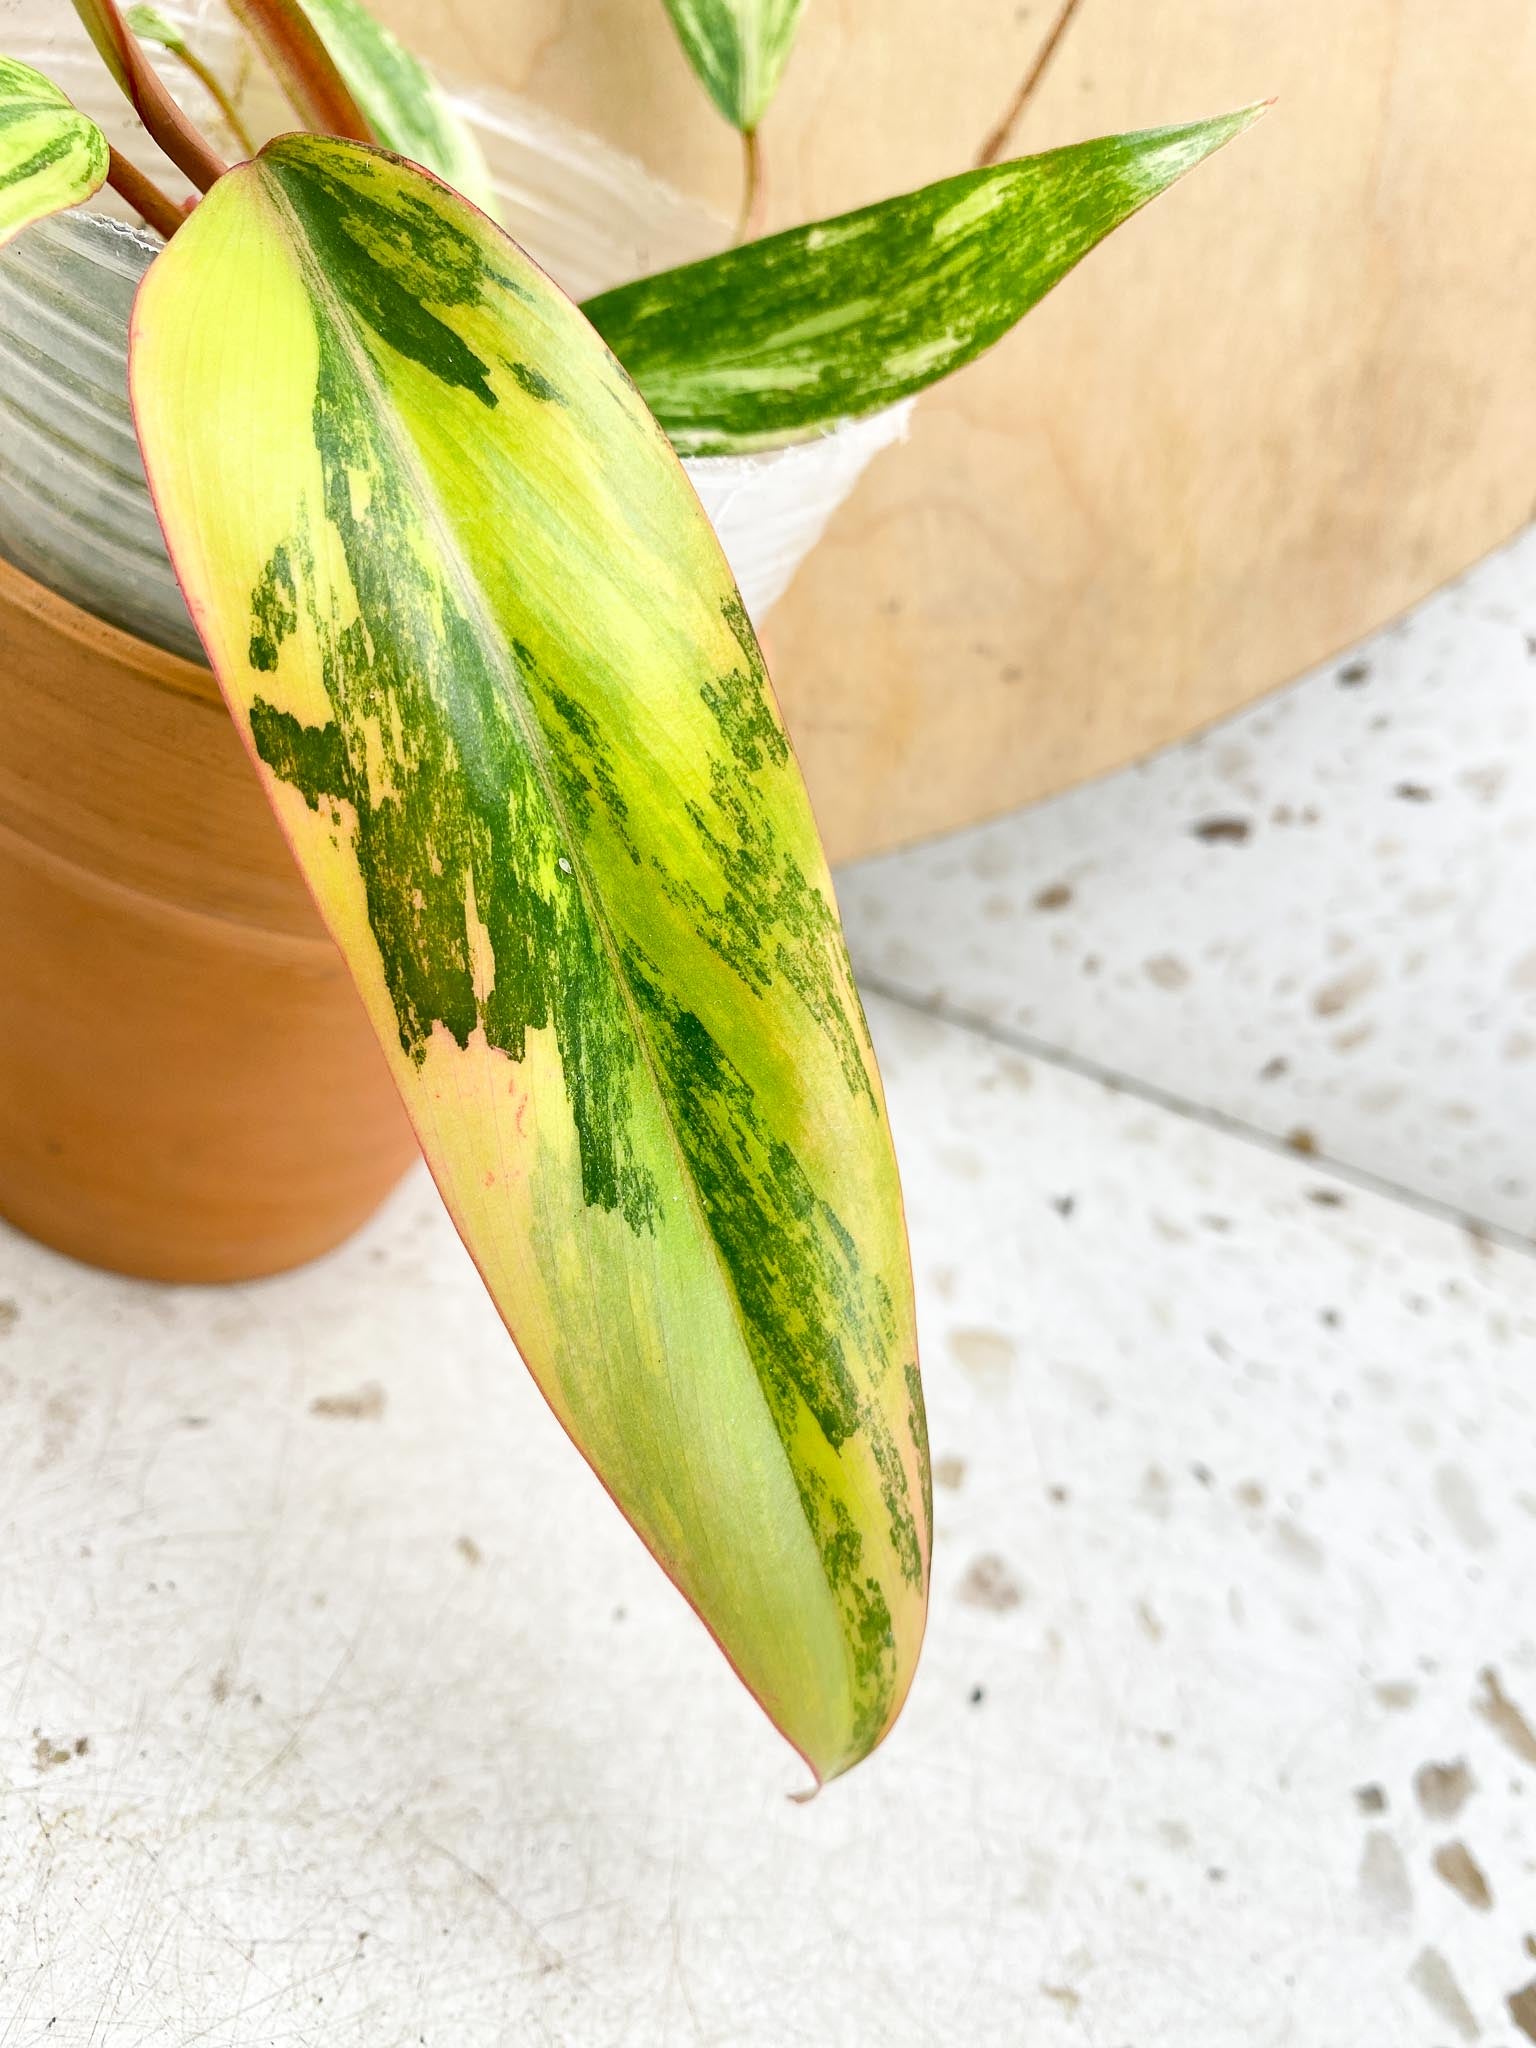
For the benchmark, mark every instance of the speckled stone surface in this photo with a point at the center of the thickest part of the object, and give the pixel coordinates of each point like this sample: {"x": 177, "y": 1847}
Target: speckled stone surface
{"x": 1318, "y": 920}
{"x": 342, "y": 1711}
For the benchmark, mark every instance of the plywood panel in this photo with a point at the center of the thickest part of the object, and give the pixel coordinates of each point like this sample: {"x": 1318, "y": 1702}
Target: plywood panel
{"x": 1267, "y": 416}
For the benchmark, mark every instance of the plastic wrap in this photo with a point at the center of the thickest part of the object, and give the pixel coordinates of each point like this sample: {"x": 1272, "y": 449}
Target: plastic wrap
{"x": 74, "y": 509}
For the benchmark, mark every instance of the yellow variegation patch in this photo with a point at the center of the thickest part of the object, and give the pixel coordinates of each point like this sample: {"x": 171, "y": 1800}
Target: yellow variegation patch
{"x": 513, "y": 718}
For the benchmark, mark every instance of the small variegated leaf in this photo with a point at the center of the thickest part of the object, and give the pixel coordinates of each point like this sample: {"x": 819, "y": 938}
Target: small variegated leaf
{"x": 739, "y": 49}
{"x": 151, "y": 26}
{"x": 406, "y": 108}
{"x": 510, "y": 712}
{"x": 783, "y": 338}
{"x": 152, "y": 100}
{"x": 51, "y": 156}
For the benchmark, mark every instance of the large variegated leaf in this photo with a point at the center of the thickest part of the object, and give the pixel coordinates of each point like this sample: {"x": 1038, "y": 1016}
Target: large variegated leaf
{"x": 739, "y": 49}
{"x": 513, "y": 718}
{"x": 405, "y": 106}
{"x": 780, "y": 339}
{"x": 50, "y": 155}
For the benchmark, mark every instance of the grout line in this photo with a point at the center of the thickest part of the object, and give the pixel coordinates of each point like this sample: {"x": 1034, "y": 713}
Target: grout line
{"x": 1087, "y": 1069}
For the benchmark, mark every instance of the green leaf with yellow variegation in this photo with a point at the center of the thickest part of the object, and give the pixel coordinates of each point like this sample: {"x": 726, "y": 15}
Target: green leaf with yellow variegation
{"x": 781, "y": 339}
{"x": 51, "y": 156}
{"x": 406, "y": 108}
{"x": 511, "y": 714}
{"x": 739, "y": 49}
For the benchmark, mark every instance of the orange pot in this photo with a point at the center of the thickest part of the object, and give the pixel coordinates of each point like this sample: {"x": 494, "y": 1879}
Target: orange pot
{"x": 189, "y": 1088}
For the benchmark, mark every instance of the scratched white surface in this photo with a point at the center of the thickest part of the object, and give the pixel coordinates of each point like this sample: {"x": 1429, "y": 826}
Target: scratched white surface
{"x": 340, "y": 1709}
{"x": 1317, "y": 920}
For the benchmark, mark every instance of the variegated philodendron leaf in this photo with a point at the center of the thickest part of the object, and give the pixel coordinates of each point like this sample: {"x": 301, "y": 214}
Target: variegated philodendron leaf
{"x": 783, "y": 338}
{"x": 739, "y": 49}
{"x": 405, "y": 106}
{"x": 51, "y": 156}
{"x": 512, "y": 716}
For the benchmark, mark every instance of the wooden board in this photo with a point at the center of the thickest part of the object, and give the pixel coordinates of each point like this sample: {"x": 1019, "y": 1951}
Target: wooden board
{"x": 1268, "y": 415}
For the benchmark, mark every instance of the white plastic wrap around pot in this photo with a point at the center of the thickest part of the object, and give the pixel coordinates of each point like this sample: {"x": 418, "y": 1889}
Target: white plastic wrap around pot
{"x": 74, "y": 507}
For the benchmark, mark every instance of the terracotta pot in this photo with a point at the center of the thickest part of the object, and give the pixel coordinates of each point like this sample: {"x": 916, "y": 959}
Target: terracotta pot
{"x": 189, "y": 1089}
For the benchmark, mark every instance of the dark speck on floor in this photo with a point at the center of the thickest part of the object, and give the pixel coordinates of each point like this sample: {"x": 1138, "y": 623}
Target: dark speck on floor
{"x": 1222, "y": 831}
{"x": 990, "y": 1583}
{"x": 1396, "y": 1694}
{"x": 1505, "y": 1719}
{"x": 1456, "y": 1866}
{"x": 1443, "y": 1789}
{"x": 365, "y": 1405}
{"x": 1522, "y": 2010}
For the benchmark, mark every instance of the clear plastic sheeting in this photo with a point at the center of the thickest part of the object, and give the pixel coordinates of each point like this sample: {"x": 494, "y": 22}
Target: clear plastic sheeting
{"x": 74, "y": 508}
{"x": 770, "y": 510}
{"x": 74, "y": 504}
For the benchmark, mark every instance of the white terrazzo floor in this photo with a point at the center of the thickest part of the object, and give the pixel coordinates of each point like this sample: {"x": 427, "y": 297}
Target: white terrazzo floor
{"x": 1316, "y": 921}
{"x": 341, "y": 1710}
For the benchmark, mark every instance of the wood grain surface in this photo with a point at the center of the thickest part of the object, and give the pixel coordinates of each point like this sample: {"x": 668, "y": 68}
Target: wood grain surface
{"x": 1268, "y": 415}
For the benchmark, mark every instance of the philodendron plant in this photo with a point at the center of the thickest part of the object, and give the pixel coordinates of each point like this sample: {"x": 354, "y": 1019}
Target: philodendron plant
{"x": 506, "y": 703}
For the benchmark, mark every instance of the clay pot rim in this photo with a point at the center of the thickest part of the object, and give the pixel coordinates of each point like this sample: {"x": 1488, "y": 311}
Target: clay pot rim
{"x": 153, "y": 665}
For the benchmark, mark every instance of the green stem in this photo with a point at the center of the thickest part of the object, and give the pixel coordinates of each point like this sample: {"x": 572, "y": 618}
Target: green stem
{"x": 207, "y": 78}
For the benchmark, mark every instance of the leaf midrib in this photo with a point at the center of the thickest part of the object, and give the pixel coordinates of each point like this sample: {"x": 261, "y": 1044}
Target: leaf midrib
{"x": 468, "y": 588}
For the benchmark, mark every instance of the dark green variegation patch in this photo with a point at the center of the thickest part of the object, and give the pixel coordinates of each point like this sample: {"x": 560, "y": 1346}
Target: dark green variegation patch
{"x": 785, "y": 337}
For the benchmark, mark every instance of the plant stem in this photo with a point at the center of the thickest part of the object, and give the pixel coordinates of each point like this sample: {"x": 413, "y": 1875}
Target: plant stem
{"x": 304, "y": 67}
{"x": 207, "y": 78}
{"x": 997, "y": 141}
{"x": 754, "y": 191}
{"x": 155, "y": 208}
{"x": 187, "y": 148}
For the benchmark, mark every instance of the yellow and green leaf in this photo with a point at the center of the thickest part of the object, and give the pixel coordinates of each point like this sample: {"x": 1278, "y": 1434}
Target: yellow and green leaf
{"x": 512, "y": 716}
{"x": 781, "y": 339}
{"x": 739, "y": 49}
{"x": 406, "y": 108}
{"x": 51, "y": 156}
